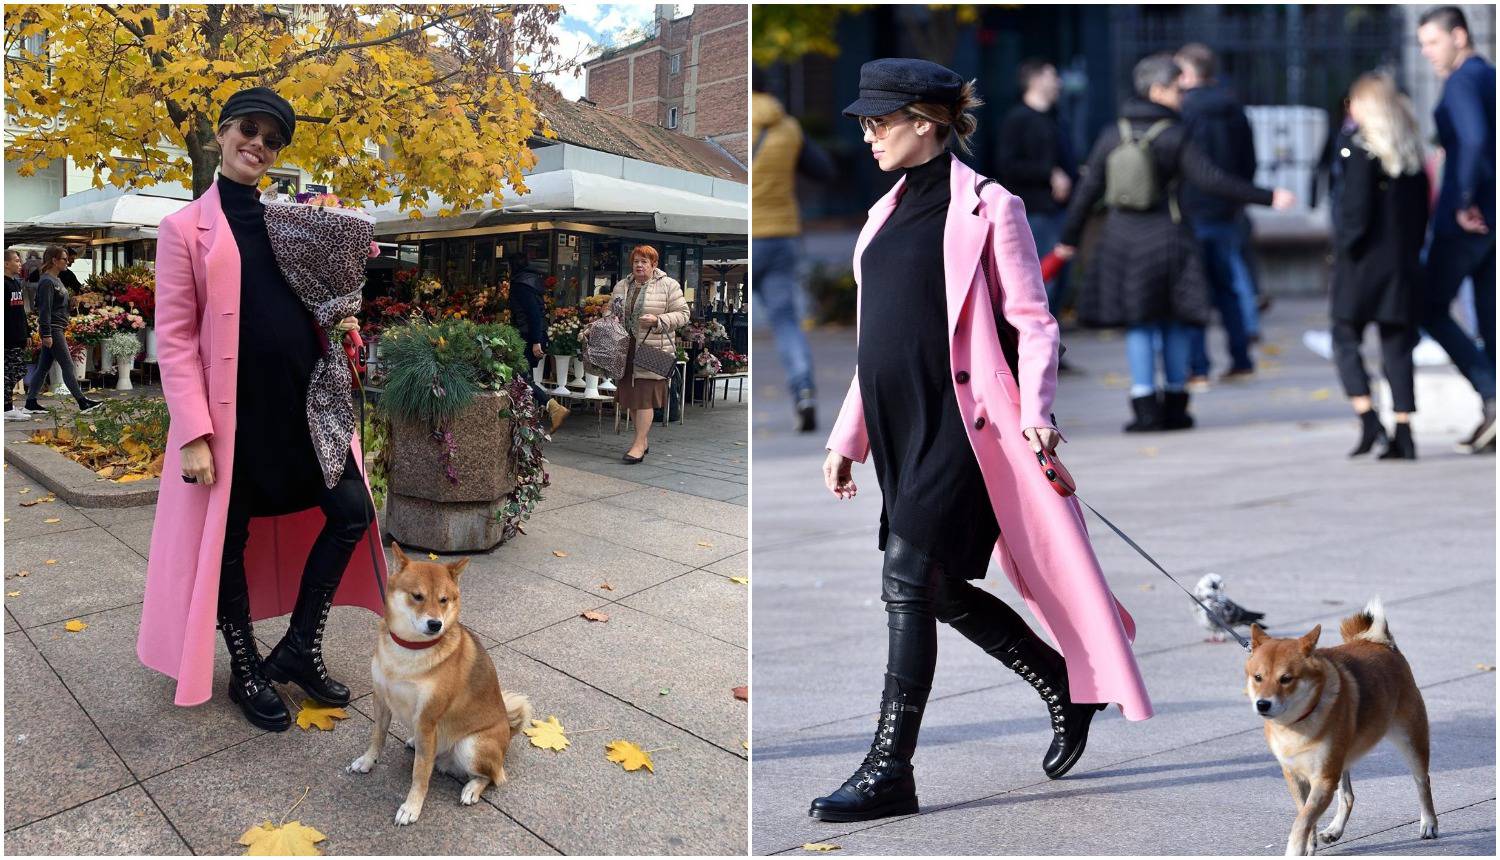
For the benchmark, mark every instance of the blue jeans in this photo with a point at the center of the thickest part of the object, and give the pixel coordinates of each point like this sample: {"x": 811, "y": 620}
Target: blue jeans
{"x": 1451, "y": 257}
{"x": 1233, "y": 291}
{"x": 773, "y": 278}
{"x": 1046, "y": 230}
{"x": 1144, "y": 342}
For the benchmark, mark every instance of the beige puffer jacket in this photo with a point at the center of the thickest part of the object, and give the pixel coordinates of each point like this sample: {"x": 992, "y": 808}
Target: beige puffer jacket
{"x": 664, "y": 298}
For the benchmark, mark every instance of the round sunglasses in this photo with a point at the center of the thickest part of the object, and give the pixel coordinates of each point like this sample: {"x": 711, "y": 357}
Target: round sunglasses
{"x": 250, "y": 129}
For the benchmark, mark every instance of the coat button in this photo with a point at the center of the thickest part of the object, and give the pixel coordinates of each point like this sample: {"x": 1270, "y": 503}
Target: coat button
{"x": 962, "y": 376}
{"x": 979, "y": 423}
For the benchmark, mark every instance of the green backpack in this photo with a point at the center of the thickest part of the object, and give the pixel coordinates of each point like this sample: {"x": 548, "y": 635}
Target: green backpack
{"x": 1130, "y": 173}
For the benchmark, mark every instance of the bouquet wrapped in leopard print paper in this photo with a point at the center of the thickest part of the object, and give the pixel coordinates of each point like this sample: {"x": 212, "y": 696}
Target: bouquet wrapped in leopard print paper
{"x": 321, "y": 249}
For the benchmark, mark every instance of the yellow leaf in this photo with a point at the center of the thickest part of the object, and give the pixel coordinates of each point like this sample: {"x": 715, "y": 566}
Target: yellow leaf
{"x": 594, "y": 615}
{"x": 12, "y": 594}
{"x": 559, "y": 553}
{"x": 820, "y": 846}
{"x": 131, "y": 478}
{"x": 75, "y": 626}
{"x": 51, "y": 561}
{"x": 53, "y": 520}
{"x": 1321, "y": 394}
{"x": 24, "y": 490}
{"x": 740, "y": 580}
{"x": 433, "y": 556}
{"x": 294, "y": 839}
{"x": 628, "y": 755}
{"x": 704, "y": 543}
{"x": 322, "y": 716}
{"x": 547, "y": 734}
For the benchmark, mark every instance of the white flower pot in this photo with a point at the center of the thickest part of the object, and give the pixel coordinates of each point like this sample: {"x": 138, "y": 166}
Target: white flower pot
{"x": 561, "y": 364}
{"x": 590, "y": 385}
{"x": 536, "y": 372}
{"x": 123, "y": 363}
{"x": 55, "y": 380}
{"x": 151, "y": 344}
{"x": 578, "y": 374}
{"x": 607, "y": 385}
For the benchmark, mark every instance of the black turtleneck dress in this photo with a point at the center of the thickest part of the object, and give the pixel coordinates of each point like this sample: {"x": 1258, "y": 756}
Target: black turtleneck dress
{"x": 276, "y": 470}
{"x": 934, "y": 493}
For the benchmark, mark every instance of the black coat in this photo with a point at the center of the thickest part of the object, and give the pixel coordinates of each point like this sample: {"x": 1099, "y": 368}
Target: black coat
{"x": 1216, "y": 123}
{"x": 1146, "y": 267}
{"x": 1380, "y": 223}
{"x": 526, "y": 289}
{"x": 1032, "y": 145}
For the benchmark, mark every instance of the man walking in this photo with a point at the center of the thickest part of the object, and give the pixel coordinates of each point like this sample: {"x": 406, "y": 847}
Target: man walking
{"x": 779, "y": 155}
{"x": 527, "y": 287}
{"x": 1462, "y": 244}
{"x": 1036, "y": 163}
{"x": 1216, "y": 123}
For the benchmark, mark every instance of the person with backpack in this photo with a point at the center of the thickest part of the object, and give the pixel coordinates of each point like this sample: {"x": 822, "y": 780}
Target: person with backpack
{"x": 952, "y": 398}
{"x": 1146, "y": 273}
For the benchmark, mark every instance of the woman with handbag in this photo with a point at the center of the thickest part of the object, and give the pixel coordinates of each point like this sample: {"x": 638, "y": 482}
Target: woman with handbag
{"x": 952, "y": 395}
{"x": 653, "y": 307}
{"x": 245, "y": 523}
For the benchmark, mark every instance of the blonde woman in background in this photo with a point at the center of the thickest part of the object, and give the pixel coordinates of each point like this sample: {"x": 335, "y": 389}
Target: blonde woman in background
{"x": 654, "y": 308}
{"x": 1380, "y": 222}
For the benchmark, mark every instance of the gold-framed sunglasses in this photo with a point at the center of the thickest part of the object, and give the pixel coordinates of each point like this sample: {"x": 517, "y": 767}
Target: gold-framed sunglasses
{"x": 877, "y": 126}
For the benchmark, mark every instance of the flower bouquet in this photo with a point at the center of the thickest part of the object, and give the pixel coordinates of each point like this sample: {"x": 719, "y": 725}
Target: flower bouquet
{"x": 564, "y": 332}
{"x": 321, "y": 248}
{"x": 708, "y": 364}
{"x": 595, "y": 307}
{"x": 733, "y": 362}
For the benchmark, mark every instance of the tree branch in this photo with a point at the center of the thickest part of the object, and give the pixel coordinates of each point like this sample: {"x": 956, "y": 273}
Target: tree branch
{"x": 338, "y": 49}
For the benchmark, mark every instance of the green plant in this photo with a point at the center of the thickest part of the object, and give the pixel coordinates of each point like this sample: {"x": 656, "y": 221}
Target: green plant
{"x": 142, "y": 419}
{"x": 526, "y": 439}
{"x": 834, "y": 294}
{"x": 377, "y": 451}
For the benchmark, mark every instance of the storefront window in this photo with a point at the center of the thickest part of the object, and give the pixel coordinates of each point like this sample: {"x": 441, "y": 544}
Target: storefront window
{"x": 691, "y": 267}
{"x": 567, "y": 269}
{"x": 606, "y": 265}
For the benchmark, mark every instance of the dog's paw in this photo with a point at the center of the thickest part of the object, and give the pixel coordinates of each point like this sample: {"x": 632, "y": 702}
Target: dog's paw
{"x": 1329, "y": 836}
{"x": 1429, "y": 829}
{"x": 361, "y": 764}
{"x": 408, "y": 813}
{"x": 472, "y": 789}
{"x": 411, "y": 743}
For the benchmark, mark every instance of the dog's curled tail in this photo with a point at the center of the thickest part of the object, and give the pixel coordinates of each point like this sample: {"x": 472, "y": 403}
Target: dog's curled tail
{"x": 1369, "y": 625}
{"x": 517, "y": 709}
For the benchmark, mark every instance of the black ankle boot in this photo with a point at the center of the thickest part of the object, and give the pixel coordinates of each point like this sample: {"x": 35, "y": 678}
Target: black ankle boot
{"x": 298, "y": 657}
{"x": 248, "y": 686}
{"x": 1045, "y": 669}
{"x": 1147, "y": 411}
{"x": 883, "y": 785}
{"x": 1174, "y": 406}
{"x": 1370, "y": 432}
{"x": 1402, "y": 446}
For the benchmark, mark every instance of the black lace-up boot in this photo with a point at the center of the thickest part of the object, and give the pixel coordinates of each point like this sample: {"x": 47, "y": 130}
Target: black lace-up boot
{"x": 298, "y": 657}
{"x": 1045, "y": 670}
{"x": 248, "y": 685}
{"x": 883, "y": 784}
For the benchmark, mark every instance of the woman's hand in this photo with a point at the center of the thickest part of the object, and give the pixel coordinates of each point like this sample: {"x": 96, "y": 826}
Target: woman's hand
{"x": 838, "y": 477}
{"x": 198, "y": 461}
{"x": 47, "y": 341}
{"x": 1064, "y": 252}
{"x": 1042, "y": 437}
{"x": 346, "y": 325}
{"x": 1282, "y": 199}
{"x": 650, "y": 319}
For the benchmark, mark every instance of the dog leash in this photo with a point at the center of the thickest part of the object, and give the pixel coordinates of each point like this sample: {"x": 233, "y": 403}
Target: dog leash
{"x": 374, "y": 519}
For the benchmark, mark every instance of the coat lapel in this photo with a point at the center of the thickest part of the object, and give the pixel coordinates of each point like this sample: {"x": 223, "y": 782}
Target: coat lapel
{"x": 964, "y": 235}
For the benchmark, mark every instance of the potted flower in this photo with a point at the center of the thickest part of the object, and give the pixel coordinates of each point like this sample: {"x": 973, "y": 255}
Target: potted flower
{"x": 564, "y": 336}
{"x": 465, "y": 467}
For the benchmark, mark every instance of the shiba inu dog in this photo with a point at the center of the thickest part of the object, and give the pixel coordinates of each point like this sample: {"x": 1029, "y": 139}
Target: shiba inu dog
{"x": 434, "y": 676}
{"x": 1325, "y": 708}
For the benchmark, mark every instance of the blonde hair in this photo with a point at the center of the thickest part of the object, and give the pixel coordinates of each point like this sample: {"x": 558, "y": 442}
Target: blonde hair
{"x": 1388, "y": 127}
{"x": 957, "y": 117}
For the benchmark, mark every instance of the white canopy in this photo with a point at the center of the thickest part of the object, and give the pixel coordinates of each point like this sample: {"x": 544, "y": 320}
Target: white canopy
{"x": 127, "y": 210}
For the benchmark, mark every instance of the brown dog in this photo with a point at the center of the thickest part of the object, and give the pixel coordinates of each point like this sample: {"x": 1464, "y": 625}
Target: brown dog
{"x": 434, "y": 676}
{"x": 1324, "y": 708}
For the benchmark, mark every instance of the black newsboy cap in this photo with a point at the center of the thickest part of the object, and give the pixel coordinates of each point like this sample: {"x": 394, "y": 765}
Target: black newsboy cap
{"x": 887, "y": 85}
{"x": 261, "y": 100}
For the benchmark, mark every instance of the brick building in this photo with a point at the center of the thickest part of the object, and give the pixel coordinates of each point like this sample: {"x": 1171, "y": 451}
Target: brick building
{"x": 691, "y": 76}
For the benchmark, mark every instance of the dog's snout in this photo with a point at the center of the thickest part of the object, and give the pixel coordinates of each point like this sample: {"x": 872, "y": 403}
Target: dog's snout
{"x": 1263, "y": 706}
{"x": 434, "y": 625}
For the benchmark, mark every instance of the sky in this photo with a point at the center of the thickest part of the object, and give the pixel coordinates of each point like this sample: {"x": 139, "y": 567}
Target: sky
{"x": 585, "y": 25}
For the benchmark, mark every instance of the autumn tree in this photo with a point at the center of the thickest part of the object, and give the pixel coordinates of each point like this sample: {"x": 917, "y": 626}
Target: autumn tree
{"x": 784, "y": 33}
{"x": 124, "y": 89}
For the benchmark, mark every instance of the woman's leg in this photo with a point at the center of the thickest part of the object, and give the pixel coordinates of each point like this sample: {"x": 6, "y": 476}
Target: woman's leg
{"x": 1356, "y": 383}
{"x": 1140, "y": 352}
{"x": 1176, "y": 347}
{"x": 248, "y": 685}
{"x": 39, "y": 376}
{"x": 298, "y": 658}
{"x": 64, "y": 360}
{"x": 1396, "y": 343}
{"x": 642, "y": 419}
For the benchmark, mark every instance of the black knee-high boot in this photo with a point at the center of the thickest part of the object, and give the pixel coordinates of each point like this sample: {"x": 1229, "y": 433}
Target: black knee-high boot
{"x": 298, "y": 657}
{"x": 884, "y": 784}
{"x": 986, "y": 621}
{"x": 249, "y": 688}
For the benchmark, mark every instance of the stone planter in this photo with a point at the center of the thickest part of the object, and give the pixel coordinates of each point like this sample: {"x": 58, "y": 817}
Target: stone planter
{"x": 427, "y": 510}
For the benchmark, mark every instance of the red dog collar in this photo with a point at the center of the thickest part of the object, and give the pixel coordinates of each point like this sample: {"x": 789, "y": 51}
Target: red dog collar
{"x": 415, "y": 646}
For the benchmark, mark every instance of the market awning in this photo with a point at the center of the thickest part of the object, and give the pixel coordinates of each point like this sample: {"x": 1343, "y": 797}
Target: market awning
{"x": 577, "y": 195}
{"x": 128, "y": 216}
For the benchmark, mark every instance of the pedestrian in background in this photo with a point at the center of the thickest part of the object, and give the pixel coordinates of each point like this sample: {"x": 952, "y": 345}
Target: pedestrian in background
{"x": 17, "y": 333}
{"x": 654, "y": 308}
{"x": 1463, "y": 242}
{"x": 1380, "y": 222}
{"x": 780, "y": 154}
{"x": 1037, "y": 164}
{"x": 53, "y": 301}
{"x": 1216, "y": 123}
{"x": 1146, "y": 272}
{"x": 527, "y": 288}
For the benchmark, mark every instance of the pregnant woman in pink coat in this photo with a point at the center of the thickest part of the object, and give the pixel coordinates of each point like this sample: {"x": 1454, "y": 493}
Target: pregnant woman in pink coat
{"x": 245, "y": 526}
{"x": 957, "y": 365}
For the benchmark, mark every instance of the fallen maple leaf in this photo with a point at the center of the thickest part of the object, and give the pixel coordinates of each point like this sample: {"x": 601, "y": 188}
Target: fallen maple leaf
{"x": 559, "y": 553}
{"x": 24, "y": 573}
{"x": 75, "y": 626}
{"x": 23, "y": 491}
{"x": 820, "y": 846}
{"x": 547, "y": 734}
{"x": 742, "y": 693}
{"x": 51, "y": 561}
{"x": 607, "y": 587}
{"x": 52, "y": 520}
{"x": 740, "y": 580}
{"x": 32, "y": 503}
{"x": 432, "y": 556}
{"x": 270, "y": 840}
{"x": 628, "y": 755}
{"x": 745, "y": 744}
{"x": 1484, "y": 667}
{"x": 1321, "y": 394}
{"x": 12, "y": 594}
{"x": 322, "y": 716}
{"x": 595, "y": 615}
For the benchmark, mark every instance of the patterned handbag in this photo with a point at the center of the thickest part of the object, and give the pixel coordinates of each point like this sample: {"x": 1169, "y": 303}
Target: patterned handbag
{"x": 605, "y": 343}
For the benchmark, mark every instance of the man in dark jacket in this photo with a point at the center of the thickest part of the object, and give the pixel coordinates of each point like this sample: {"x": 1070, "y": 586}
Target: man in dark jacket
{"x": 17, "y": 332}
{"x": 1217, "y": 125}
{"x": 1463, "y": 242}
{"x": 1037, "y": 164}
{"x": 527, "y": 286}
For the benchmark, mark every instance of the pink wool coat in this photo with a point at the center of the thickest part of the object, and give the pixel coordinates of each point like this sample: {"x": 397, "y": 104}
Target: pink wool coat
{"x": 1044, "y": 544}
{"x": 197, "y": 327}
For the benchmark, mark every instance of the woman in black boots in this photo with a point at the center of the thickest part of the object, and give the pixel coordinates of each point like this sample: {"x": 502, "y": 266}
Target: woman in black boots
{"x": 957, "y": 364}
{"x": 250, "y": 519}
{"x": 1380, "y": 222}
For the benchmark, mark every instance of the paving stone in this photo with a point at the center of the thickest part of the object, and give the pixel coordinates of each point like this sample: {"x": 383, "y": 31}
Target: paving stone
{"x": 135, "y": 534}
{"x": 736, "y": 565}
{"x": 689, "y": 544}
{"x": 109, "y": 517}
{"x": 700, "y": 601}
{"x": 126, "y": 822}
{"x": 49, "y": 742}
{"x": 719, "y": 516}
{"x": 94, "y": 571}
{"x": 590, "y": 558}
{"x": 24, "y": 522}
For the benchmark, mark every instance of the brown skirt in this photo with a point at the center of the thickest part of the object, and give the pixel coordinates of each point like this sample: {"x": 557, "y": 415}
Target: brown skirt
{"x": 636, "y": 393}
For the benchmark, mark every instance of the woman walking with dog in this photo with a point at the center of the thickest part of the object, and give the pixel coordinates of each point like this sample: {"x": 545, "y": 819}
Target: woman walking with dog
{"x": 1380, "y": 223}
{"x": 952, "y": 397}
{"x": 246, "y": 527}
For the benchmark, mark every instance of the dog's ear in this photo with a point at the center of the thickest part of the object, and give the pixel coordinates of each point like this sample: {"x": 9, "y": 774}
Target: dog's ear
{"x": 400, "y": 556}
{"x": 456, "y": 569}
{"x": 1257, "y": 636}
{"x": 1310, "y": 641}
